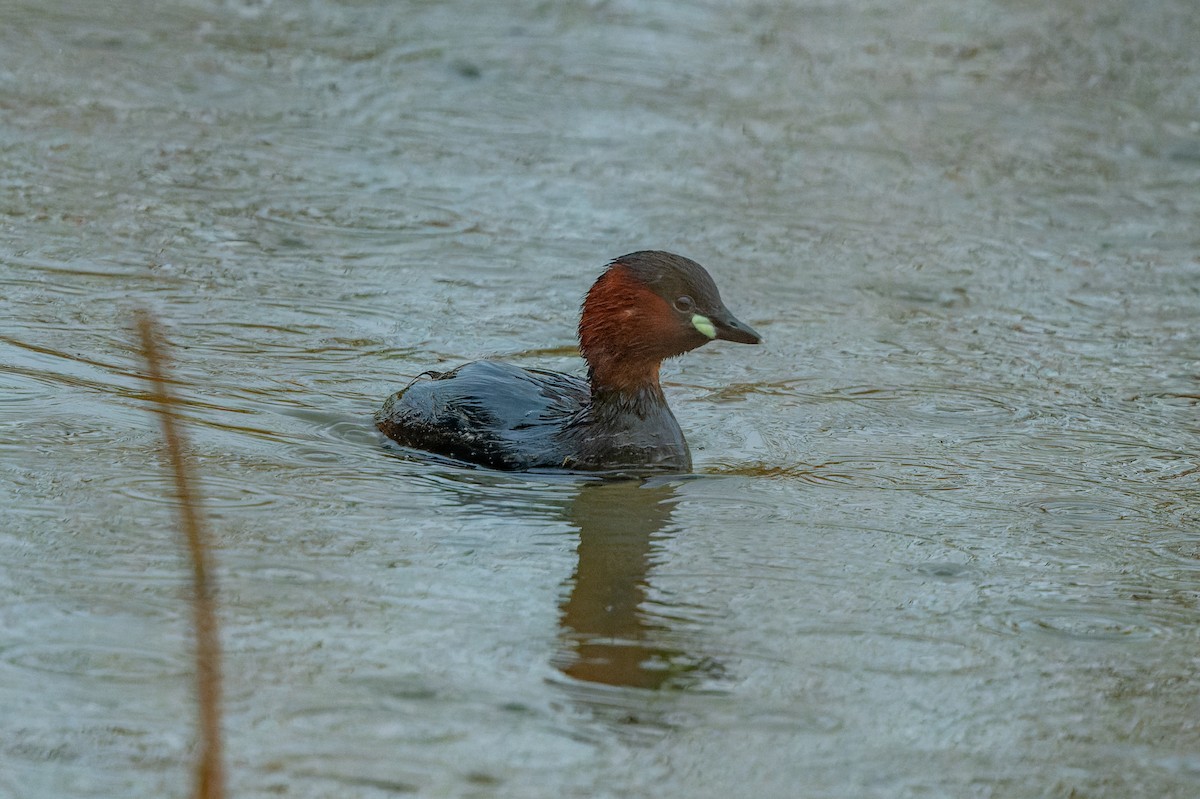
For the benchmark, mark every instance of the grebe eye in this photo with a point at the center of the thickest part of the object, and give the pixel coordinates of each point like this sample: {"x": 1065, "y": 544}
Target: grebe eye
{"x": 685, "y": 304}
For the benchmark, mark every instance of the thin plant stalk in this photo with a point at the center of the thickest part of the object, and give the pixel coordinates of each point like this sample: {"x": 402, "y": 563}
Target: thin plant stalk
{"x": 210, "y": 774}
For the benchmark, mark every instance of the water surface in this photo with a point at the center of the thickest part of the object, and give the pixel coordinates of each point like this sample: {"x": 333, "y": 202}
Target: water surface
{"x": 943, "y": 538}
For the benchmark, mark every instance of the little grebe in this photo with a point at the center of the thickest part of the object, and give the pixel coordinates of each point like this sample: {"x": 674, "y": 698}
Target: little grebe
{"x": 647, "y": 306}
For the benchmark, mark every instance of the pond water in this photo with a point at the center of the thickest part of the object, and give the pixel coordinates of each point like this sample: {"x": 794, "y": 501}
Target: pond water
{"x": 943, "y": 534}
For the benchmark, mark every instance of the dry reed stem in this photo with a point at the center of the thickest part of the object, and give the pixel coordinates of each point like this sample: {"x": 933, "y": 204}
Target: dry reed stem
{"x": 210, "y": 776}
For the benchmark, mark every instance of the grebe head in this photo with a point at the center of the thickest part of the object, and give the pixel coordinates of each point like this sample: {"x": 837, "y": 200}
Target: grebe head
{"x": 648, "y": 306}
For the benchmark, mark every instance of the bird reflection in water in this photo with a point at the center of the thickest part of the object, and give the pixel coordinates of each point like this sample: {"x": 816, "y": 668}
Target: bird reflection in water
{"x": 609, "y": 635}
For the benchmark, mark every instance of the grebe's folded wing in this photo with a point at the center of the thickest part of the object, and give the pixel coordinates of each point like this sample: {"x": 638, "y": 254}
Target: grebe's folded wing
{"x": 488, "y": 412}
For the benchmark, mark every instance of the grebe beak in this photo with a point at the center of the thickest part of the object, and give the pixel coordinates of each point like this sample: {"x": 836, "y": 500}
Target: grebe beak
{"x": 728, "y": 328}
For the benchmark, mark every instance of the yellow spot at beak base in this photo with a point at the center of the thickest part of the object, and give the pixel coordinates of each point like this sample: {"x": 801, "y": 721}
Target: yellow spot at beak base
{"x": 704, "y": 325}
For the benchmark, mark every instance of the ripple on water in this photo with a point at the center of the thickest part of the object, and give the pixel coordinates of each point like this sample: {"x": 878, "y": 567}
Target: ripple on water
{"x": 944, "y": 570}
{"x": 1176, "y": 565}
{"x": 19, "y": 393}
{"x": 379, "y": 719}
{"x": 1182, "y": 548}
{"x": 337, "y": 427}
{"x": 218, "y": 491}
{"x": 272, "y": 574}
{"x": 895, "y": 653}
{"x": 726, "y": 490}
{"x": 18, "y": 403}
{"x": 1087, "y": 510}
{"x": 929, "y": 402}
{"x": 96, "y": 661}
{"x": 1042, "y": 487}
{"x": 341, "y": 742}
{"x": 896, "y": 473}
{"x": 1096, "y": 621}
{"x": 340, "y": 439}
{"x": 38, "y": 373}
{"x": 965, "y": 404}
{"x": 333, "y": 215}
